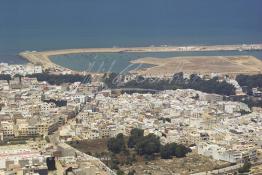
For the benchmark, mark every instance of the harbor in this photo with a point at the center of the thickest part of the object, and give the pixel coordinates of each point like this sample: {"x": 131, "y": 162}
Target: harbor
{"x": 43, "y": 58}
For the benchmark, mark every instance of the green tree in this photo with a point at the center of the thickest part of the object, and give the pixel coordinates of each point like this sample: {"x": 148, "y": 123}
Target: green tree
{"x": 149, "y": 145}
{"x": 121, "y": 141}
{"x": 120, "y": 172}
{"x": 246, "y": 167}
{"x": 168, "y": 120}
{"x": 60, "y": 79}
{"x": 135, "y": 136}
{"x": 116, "y": 145}
{"x": 173, "y": 148}
{"x": 5, "y": 77}
{"x": 114, "y": 162}
{"x": 133, "y": 172}
{"x": 181, "y": 151}
{"x": 166, "y": 152}
{"x": 111, "y": 80}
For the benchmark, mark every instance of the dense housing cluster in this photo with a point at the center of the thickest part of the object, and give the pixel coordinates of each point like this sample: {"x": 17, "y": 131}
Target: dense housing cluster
{"x": 42, "y": 116}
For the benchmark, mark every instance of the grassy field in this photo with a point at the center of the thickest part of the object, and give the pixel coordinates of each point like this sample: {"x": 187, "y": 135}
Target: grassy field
{"x": 91, "y": 146}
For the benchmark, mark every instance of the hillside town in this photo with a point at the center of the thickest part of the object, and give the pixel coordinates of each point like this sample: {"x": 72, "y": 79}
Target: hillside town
{"x": 39, "y": 119}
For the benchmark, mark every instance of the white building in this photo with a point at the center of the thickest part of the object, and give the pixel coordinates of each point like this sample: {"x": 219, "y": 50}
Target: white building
{"x": 230, "y": 155}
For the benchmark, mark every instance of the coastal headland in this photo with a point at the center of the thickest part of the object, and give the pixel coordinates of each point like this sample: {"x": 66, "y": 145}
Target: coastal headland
{"x": 43, "y": 58}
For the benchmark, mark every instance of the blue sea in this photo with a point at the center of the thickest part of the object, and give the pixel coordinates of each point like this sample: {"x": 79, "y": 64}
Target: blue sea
{"x": 60, "y": 24}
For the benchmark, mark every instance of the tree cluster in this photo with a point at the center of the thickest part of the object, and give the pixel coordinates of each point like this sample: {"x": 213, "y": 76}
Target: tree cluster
{"x": 5, "y": 77}
{"x": 50, "y": 162}
{"x": 54, "y": 79}
{"x": 165, "y": 119}
{"x": 136, "y": 135}
{"x": 251, "y": 101}
{"x": 177, "y": 82}
{"x": 58, "y": 103}
{"x": 210, "y": 86}
{"x": 143, "y": 145}
{"x": 146, "y": 146}
{"x": 133, "y": 172}
{"x": 250, "y": 81}
{"x": 150, "y": 144}
{"x": 245, "y": 168}
{"x": 172, "y": 149}
{"x": 111, "y": 80}
{"x": 117, "y": 144}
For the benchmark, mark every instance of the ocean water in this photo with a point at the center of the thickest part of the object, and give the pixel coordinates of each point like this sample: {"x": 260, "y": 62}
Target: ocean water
{"x": 61, "y": 24}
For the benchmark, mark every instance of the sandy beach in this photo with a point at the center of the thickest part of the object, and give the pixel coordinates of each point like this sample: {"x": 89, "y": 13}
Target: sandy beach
{"x": 43, "y": 58}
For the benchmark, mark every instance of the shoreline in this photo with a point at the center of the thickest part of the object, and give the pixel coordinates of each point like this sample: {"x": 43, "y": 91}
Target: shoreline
{"x": 43, "y": 58}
